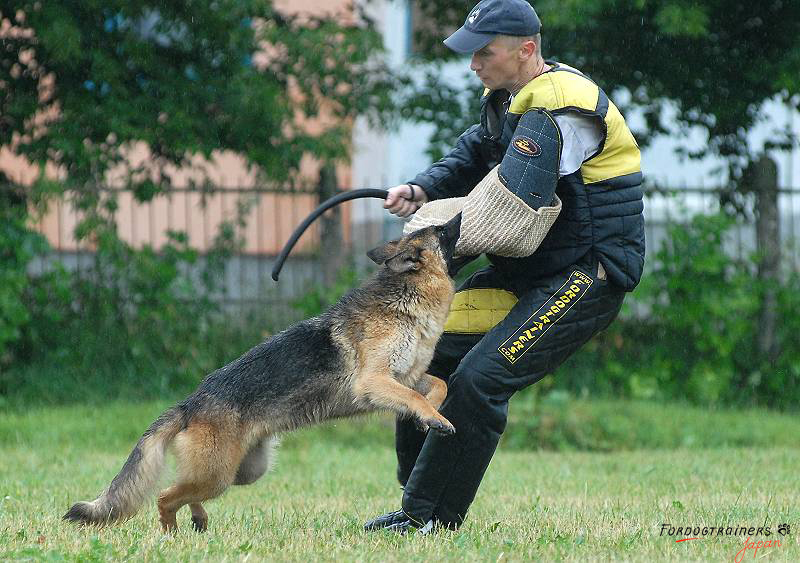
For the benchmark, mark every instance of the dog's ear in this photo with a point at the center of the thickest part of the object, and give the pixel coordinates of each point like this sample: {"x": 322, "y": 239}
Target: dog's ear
{"x": 382, "y": 253}
{"x": 406, "y": 260}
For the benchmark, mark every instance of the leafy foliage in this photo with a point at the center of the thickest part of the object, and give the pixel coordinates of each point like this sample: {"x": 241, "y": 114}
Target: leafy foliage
{"x": 433, "y": 99}
{"x": 698, "y": 341}
{"x": 718, "y": 60}
{"x": 18, "y": 246}
{"x": 703, "y": 305}
{"x": 319, "y": 298}
{"x": 83, "y": 81}
{"x": 138, "y": 322}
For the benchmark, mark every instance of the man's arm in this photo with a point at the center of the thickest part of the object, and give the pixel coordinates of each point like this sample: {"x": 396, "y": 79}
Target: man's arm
{"x": 459, "y": 171}
{"x": 452, "y": 176}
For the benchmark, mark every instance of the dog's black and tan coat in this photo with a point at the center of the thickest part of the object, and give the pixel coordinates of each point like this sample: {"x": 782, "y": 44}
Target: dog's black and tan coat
{"x": 368, "y": 351}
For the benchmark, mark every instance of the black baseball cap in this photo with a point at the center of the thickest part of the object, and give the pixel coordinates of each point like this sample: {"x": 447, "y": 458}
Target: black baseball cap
{"x": 494, "y": 17}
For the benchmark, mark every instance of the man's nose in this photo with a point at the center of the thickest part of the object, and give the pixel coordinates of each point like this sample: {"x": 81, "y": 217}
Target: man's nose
{"x": 473, "y": 64}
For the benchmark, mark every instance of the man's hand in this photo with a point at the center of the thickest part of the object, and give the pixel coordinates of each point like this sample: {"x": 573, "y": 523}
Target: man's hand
{"x": 405, "y": 199}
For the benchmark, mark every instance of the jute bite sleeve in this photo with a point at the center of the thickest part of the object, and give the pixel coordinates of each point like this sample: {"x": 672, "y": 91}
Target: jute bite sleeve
{"x": 513, "y": 207}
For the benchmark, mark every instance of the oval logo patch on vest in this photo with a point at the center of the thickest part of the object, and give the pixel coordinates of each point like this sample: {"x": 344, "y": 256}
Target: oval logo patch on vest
{"x": 526, "y": 146}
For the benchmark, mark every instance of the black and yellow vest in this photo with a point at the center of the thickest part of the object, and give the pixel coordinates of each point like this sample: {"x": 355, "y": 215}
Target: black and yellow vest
{"x": 602, "y": 201}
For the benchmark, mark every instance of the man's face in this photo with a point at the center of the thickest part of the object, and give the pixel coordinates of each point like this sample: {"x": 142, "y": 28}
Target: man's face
{"x": 497, "y": 65}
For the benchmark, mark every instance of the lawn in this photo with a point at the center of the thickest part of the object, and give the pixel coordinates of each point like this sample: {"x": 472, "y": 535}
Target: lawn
{"x": 533, "y": 505}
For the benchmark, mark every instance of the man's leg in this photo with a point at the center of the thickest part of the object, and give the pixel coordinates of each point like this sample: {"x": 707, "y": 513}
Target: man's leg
{"x": 480, "y": 302}
{"x": 459, "y": 338}
{"x": 408, "y": 441}
{"x": 549, "y": 323}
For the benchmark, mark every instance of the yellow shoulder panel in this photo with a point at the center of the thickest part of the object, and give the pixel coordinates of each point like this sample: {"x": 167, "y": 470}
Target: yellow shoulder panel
{"x": 620, "y": 154}
{"x": 556, "y": 90}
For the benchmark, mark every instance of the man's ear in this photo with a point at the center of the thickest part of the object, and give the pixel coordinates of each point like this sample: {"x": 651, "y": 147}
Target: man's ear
{"x": 405, "y": 261}
{"x": 382, "y": 253}
{"x": 527, "y": 49}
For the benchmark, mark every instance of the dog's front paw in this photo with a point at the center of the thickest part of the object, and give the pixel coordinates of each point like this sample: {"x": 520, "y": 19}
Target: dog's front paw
{"x": 441, "y": 425}
{"x": 421, "y": 426}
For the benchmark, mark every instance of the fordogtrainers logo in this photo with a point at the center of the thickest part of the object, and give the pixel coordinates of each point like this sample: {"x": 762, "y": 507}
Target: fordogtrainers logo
{"x": 756, "y": 537}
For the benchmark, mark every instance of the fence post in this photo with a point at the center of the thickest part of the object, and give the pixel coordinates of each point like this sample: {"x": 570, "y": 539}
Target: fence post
{"x": 332, "y": 256}
{"x": 763, "y": 175}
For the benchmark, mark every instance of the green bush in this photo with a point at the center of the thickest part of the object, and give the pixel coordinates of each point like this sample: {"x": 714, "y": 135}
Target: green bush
{"x": 318, "y": 298}
{"x": 18, "y": 246}
{"x": 556, "y": 421}
{"x": 137, "y": 324}
{"x": 698, "y": 337}
{"x": 140, "y": 324}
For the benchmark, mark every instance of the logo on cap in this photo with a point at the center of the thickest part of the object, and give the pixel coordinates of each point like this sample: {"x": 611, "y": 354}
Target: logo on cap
{"x": 526, "y": 146}
{"x": 474, "y": 15}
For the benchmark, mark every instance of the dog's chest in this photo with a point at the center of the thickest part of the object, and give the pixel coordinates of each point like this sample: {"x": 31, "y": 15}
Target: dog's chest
{"x": 431, "y": 326}
{"x": 414, "y": 349}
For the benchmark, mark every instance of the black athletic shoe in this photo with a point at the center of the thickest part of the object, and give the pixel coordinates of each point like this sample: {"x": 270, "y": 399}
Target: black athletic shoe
{"x": 386, "y": 521}
{"x": 398, "y": 522}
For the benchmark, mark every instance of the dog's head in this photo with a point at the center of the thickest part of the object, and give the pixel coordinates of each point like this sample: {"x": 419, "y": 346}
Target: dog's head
{"x": 431, "y": 247}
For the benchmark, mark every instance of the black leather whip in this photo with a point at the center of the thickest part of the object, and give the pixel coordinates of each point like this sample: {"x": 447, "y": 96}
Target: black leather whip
{"x": 323, "y": 207}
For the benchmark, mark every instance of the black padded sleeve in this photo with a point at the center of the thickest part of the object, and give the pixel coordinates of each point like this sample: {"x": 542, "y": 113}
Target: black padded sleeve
{"x": 530, "y": 166}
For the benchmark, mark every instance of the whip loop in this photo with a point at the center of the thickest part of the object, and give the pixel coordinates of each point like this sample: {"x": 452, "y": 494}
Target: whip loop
{"x": 323, "y": 207}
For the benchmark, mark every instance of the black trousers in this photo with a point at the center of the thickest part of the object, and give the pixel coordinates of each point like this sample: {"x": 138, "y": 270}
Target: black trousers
{"x": 552, "y": 318}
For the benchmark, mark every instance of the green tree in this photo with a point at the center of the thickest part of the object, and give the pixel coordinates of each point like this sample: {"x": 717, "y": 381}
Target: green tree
{"x": 717, "y": 60}
{"x": 83, "y": 81}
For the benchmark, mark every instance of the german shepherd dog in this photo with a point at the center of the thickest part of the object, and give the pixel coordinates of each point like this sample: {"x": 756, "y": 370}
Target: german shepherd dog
{"x": 368, "y": 351}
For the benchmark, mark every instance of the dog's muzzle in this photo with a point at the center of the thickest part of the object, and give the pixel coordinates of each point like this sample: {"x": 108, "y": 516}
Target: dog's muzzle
{"x": 448, "y": 237}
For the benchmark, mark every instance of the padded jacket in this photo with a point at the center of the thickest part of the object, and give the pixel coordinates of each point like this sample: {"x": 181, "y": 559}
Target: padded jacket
{"x": 602, "y": 208}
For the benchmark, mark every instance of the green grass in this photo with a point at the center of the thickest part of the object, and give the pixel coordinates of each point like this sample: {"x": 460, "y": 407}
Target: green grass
{"x": 533, "y": 505}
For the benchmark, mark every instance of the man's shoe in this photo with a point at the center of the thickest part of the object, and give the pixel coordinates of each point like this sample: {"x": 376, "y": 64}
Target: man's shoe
{"x": 408, "y": 526}
{"x": 400, "y": 523}
{"x": 387, "y": 520}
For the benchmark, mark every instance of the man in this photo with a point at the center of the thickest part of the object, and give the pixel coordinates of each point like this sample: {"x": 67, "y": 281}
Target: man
{"x": 552, "y": 134}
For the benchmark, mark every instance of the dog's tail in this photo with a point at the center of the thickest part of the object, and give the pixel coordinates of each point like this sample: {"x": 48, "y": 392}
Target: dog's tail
{"x": 137, "y": 478}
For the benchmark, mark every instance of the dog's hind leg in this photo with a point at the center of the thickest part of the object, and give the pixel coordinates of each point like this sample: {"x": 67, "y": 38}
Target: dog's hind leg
{"x": 173, "y": 498}
{"x": 257, "y": 461}
{"x": 170, "y": 500}
{"x": 192, "y": 493}
{"x": 199, "y": 517}
{"x": 208, "y": 456}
